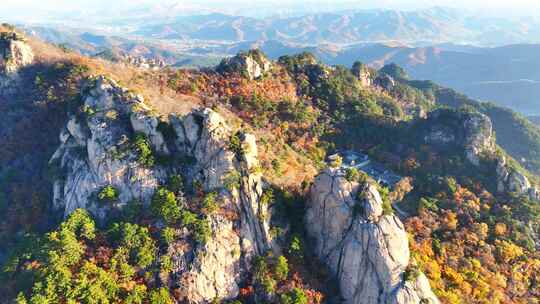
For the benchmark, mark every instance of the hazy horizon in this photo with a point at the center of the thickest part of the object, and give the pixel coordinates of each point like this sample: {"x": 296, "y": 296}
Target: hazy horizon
{"x": 56, "y": 10}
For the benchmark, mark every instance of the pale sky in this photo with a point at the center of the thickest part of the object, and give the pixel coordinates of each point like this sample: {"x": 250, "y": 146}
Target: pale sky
{"x": 17, "y": 9}
{"x": 499, "y": 4}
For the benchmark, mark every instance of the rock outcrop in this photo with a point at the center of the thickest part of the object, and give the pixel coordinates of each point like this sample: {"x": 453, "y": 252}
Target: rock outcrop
{"x": 511, "y": 180}
{"x": 365, "y": 249}
{"x": 470, "y": 131}
{"x": 216, "y": 270}
{"x": 252, "y": 64}
{"x": 98, "y": 150}
{"x": 206, "y": 137}
{"x": 15, "y": 54}
{"x": 363, "y": 73}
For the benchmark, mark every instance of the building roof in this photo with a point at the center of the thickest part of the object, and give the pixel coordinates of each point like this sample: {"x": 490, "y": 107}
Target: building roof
{"x": 376, "y": 170}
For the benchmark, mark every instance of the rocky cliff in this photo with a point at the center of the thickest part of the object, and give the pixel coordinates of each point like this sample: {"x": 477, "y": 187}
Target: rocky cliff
{"x": 96, "y": 151}
{"x": 15, "y": 53}
{"x": 207, "y": 238}
{"x": 472, "y": 132}
{"x": 365, "y": 249}
{"x": 511, "y": 180}
{"x": 116, "y": 140}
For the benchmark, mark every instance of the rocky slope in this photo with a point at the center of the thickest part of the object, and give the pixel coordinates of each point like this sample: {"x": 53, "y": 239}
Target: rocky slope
{"x": 365, "y": 249}
{"x": 116, "y": 140}
{"x": 104, "y": 146}
{"x": 97, "y": 151}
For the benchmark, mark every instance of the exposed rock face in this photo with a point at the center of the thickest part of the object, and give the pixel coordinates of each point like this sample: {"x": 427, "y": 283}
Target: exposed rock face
{"x": 97, "y": 150}
{"x": 148, "y": 125}
{"x": 362, "y": 72}
{"x": 478, "y": 137}
{"x": 510, "y": 180}
{"x": 470, "y": 131}
{"x": 216, "y": 270}
{"x": 15, "y": 53}
{"x": 206, "y": 136}
{"x": 366, "y": 250}
{"x": 252, "y": 64}
{"x": 473, "y": 132}
{"x": 365, "y": 78}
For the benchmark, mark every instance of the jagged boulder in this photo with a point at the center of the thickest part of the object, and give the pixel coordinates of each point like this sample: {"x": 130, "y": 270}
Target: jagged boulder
{"x": 364, "y": 248}
{"x": 253, "y": 64}
{"x": 15, "y": 54}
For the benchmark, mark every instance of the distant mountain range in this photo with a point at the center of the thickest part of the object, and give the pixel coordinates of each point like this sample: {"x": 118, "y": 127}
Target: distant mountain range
{"x": 420, "y": 27}
{"x": 110, "y": 47}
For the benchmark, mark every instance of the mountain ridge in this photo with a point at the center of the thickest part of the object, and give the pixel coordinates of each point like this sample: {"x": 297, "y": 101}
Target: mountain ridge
{"x": 512, "y": 82}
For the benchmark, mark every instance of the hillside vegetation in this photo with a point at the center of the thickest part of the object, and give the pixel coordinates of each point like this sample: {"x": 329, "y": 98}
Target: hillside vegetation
{"x": 225, "y": 160}
{"x": 515, "y": 133}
